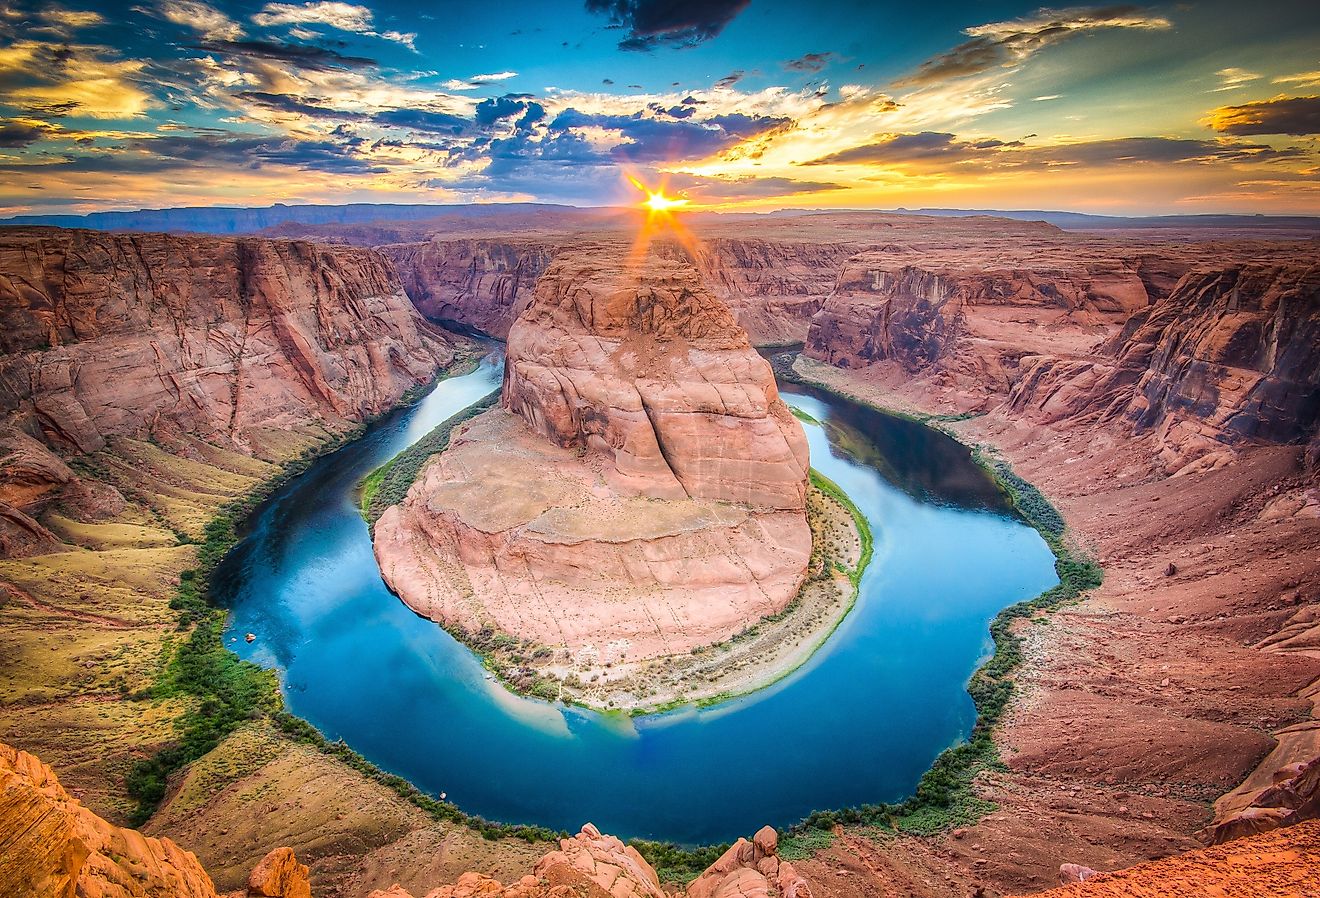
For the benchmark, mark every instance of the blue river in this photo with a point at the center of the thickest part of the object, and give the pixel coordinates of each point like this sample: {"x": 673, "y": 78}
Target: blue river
{"x": 859, "y": 723}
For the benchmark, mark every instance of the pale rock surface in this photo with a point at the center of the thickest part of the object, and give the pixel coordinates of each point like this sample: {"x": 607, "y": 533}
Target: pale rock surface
{"x": 645, "y": 497}
{"x": 642, "y": 363}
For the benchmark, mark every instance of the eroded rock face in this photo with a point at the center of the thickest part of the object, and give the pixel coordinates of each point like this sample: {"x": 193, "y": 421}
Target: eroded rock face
{"x": 50, "y": 845}
{"x": 106, "y": 334}
{"x": 53, "y": 847}
{"x": 478, "y": 283}
{"x": 649, "y": 369}
{"x": 591, "y": 865}
{"x": 914, "y": 314}
{"x": 641, "y": 492}
{"x": 772, "y": 287}
{"x": 1231, "y": 355}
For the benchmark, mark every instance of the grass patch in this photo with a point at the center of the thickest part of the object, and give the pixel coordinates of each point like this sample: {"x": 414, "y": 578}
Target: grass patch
{"x": 803, "y": 416}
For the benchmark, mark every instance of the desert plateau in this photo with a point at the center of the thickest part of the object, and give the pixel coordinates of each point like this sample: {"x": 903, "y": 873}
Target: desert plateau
{"x": 659, "y": 450}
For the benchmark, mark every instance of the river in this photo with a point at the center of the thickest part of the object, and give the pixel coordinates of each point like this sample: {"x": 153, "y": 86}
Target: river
{"x": 859, "y": 723}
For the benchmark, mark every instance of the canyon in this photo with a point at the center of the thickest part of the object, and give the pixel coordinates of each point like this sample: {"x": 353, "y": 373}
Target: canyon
{"x": 1159, "y": 388}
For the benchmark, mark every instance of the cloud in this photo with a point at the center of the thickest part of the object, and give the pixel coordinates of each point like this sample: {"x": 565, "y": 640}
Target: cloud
{"x": 1007, "y": 44}
{"x": 424, "y": 120}
{"x": 344, "y": 16}
{"x": 57, "y": 80}
{"x": 922, "y": 146}
{"x": 211, "y": 148}
{"x": 202, "y": 18}
{"x": 943, "y": 151}
{"x": 672, "y": 23}
{"x": 1300, "y": 79}
{"x": 1281, "y": 115}
{"x": 476, "y": 81}
{"x": 716, "y": 190}
{"x": 665, "y": 140}
{"x": 1232, "y": 78}
{"x": 301, "y": 55}
{"x": 811, "y": 62}
{"x": 16, "y": 134}
{"x": 333, "y": 14}
{"x": 730, "y": 80}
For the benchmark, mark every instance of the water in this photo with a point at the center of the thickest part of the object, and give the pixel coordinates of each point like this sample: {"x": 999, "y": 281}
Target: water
{"x": 858, "y": 723}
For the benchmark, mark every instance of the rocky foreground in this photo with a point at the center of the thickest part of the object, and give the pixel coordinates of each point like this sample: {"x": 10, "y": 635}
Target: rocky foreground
{"x": 52, "y": 846}
{"x": 640, "y": 493}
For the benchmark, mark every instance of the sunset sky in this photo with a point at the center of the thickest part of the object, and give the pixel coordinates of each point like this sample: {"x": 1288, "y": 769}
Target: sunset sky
{"x": 760, "y": 104}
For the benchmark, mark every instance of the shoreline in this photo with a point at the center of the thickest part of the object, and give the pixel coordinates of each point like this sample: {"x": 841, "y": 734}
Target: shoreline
{"x": 945, "y": 796}
{"x": 931, "y": 808}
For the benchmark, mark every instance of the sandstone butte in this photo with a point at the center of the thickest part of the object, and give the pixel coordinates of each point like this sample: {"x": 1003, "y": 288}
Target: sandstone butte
{"x": 53, "y": 847}
{"x": 639, "y": 493}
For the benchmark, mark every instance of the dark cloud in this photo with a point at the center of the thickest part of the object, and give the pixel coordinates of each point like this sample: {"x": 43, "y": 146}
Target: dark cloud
{"x": 924, "y": 145}
{"x": 936, "y": 147}
{"x": 309, "y": 106}
{"x": 716, "y": 189}
{"x": 15, "y": 135}
{"x": 731, "y": 79}
{"x": 302, "y": 55}
{"x": 423, "y": 120}
{"x": 420, "y": 120}
{"x": 1282, "y": 115}
{"x": 220, "y": 148}
{"x": 811, "y": 62}
{"x": 654, "y": 139}
{"x": 1004, "y": 43}
{"x": 498, "y": 109}
{"x": 670, "y": 23}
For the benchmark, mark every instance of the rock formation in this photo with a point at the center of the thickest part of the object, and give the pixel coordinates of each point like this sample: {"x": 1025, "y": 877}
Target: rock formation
{"x": 53, "y": 847}
{"x": 227, "y": 339}
{"x": 237, "y": 342}
{"x": 651, "y": 370}
{"x": 1231, "y": 355}
{"x": 641, "y": 493}
{"x": 591, "y": 865}
{"x": 477, "y": 283}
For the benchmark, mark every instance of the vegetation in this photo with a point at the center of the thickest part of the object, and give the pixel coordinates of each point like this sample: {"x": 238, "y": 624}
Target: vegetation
{"x": 676, "y": 863}
{"x": 388, "y": 484}
{"x": 224, "y": 690}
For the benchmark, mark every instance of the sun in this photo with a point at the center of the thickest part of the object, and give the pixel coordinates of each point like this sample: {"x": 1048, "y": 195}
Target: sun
{"x": 658, "y": 202}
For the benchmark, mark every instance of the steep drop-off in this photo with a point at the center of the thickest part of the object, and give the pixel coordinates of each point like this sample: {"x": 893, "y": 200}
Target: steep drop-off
{"x": 226, "y": 339}
{"x": 1231, "y": 355}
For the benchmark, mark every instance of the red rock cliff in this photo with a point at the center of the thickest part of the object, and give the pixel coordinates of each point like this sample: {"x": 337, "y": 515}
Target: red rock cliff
{"x": 106, "y": 334}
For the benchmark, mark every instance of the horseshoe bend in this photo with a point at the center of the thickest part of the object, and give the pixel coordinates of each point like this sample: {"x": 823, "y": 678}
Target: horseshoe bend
{"x": 652, "y": 449}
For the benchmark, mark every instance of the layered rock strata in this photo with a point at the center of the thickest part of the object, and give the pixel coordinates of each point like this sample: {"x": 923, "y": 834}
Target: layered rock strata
{"x": 640, "y": 493}
{"x": 226, "y": 339}
{"x": 1231, "y": 355}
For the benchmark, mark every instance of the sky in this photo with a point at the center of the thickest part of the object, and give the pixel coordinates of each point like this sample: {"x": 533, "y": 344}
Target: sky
{"x": 1190, "y": 107}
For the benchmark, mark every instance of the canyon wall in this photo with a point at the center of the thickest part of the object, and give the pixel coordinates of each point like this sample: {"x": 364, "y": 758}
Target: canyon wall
{"x": 227, "y": 339}
{"x": 1231, "y": 355}
{"x": 772, "y": 287}
{"x": 476, "y": 283}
